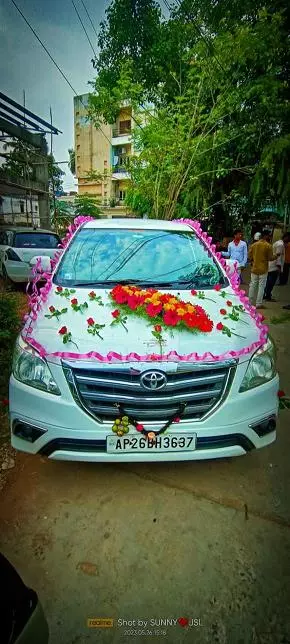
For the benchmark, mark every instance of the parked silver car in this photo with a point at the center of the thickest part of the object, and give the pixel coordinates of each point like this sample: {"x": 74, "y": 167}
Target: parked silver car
{"x": 18, "y": 246}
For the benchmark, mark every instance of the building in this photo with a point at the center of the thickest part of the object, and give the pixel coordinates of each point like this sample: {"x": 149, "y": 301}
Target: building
{"x": 104, "y": 152}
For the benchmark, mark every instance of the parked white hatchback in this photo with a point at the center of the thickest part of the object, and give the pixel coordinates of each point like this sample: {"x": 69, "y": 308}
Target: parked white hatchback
{"x": 18, "y": 246}
{"x": 142, "y": 348}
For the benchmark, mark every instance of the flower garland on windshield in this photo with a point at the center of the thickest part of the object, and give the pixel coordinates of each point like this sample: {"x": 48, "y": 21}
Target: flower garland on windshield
{"x": 161, "y": 309}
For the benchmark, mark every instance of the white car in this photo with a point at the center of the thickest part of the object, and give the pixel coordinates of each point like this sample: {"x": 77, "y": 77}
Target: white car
{"x": 18, "y": 246}
{"x": 142, "y": 348}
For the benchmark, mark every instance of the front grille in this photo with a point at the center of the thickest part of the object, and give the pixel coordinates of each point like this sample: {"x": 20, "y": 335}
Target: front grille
{"x": 97, "y": 389}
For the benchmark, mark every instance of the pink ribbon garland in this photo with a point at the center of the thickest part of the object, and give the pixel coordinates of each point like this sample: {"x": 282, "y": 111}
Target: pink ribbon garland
{"x": 36, "y": 302}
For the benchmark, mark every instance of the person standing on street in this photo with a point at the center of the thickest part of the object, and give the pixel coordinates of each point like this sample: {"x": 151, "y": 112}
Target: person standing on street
{"x": 284, "y": 275}
{"x": 275, "y": 268}
{"x": 260, "y": 254}
{"x": 237, "y": 249}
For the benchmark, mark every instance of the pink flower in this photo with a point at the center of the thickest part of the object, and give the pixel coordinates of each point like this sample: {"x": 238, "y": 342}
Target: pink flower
{"x": 90, "y": 321}
{"x": 193, "y": 292}
{"x": 170, "y": 318}
{"x": 139, "y": 427}
{"x": 116, "y": 313}
{"x": 219, "y": 326}
{"x": 176, "y": 420}
{"x": 153, "y": 309}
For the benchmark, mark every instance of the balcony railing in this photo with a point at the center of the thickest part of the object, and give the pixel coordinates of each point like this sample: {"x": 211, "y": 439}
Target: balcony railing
{"x": 121, "y": 132}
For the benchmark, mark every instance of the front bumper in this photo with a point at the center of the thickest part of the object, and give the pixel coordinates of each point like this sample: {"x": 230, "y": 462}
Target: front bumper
{"x": 69, "y": 433}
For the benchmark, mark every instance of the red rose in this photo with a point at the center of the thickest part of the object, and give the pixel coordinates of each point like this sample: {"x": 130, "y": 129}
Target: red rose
{"x": 170, "y": 318}
{"x": 281, "y": 393}
{"x": 219, "y": 326}
{"x": 63, "y": 330}
{"x": 5, "y": 402}
{"x": 92, "y": 294}
{"x": 193, "y": 292}
{"x": 158, "y": 328}
{"x": 217, "y": 287}
{"x": 116, "y": 313}
{"x": 176, "y": 420}
{"x": 153, "y": 309}
{"x": 205, "y": 325}
{"x": 51, "y": 309}
{"x": 139, "y": 427}
{"x": 74, "y": 301}
{"x": 59, "y": 289}
{"x": 229, "y": 303}
{"x": 90, "y": 321}
{"x": 133, "y": 302}
{"x": 223, "y": 312}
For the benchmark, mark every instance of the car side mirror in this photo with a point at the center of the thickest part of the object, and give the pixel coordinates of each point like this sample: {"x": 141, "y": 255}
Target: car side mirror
{"x": 233, "y": 266}
{"x": 41, "y": 263}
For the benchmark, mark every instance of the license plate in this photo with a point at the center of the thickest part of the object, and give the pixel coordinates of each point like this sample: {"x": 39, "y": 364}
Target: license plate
{"x": 167, "y": 443}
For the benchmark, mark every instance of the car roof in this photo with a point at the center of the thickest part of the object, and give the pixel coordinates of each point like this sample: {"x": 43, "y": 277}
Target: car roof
{"x": 146, "y": 224}
{"x": 20, "y": 229}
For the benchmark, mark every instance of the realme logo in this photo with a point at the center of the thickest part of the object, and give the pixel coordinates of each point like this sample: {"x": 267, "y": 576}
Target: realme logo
{"x": 100, "y": 622}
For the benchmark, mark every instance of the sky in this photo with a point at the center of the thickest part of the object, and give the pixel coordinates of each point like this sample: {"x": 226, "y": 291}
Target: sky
{"x": 24, "y": 65}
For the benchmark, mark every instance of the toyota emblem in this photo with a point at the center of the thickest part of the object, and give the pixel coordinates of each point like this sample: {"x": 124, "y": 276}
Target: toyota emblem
{"x": 153, "y": 380}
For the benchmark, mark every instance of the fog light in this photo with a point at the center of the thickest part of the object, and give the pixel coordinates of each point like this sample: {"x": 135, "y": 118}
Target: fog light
{"x": 27, "y": 432}
{"x": 265, "y": 426}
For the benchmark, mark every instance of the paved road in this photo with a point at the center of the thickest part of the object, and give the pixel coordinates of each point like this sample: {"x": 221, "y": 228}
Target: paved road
{"x": 208, "y": 541}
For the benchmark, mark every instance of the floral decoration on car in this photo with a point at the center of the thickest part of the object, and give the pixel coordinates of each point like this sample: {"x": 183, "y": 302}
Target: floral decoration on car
{"x": 66, "y": 336}
{"x": 78, "y": 307}
{"x": 162, "y": 309}
{"x": 94, "y": 328}
{"x": 64, "y": 292}
{"x": 55, "y": 313}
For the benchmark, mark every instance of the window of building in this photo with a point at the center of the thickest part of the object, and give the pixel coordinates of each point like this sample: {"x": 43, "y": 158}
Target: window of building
{"x": 122, "y": 195}
{"x": 22, "y": 207}
{"x": 36, "y": 207}
{"x": 125, "y": 126}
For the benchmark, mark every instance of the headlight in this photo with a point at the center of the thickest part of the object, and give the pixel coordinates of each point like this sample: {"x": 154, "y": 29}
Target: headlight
{"x": 262, "y": 367}
{"x": 33, "y": 371}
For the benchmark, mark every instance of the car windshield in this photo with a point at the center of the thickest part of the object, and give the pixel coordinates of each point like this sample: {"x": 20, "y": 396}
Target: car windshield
{"x": 102, "y": 257}
{"x": 35, "y": 240}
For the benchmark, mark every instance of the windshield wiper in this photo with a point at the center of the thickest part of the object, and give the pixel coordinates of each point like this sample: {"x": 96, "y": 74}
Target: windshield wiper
{"x": 108, "y": 282}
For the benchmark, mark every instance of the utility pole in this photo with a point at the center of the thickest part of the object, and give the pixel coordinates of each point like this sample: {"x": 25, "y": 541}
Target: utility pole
{"x": 52, "y": 178}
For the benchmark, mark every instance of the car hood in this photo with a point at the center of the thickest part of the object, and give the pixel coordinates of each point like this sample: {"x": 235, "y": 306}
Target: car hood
{"x": 134, "y": 340}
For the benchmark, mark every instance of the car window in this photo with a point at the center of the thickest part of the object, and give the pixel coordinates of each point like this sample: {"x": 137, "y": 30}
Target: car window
{"x": 145, "y": 256}
{"x": 35, "y": 240}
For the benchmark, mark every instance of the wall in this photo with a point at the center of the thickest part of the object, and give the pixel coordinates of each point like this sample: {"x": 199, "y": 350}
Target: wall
{"x": 11, "y": 210}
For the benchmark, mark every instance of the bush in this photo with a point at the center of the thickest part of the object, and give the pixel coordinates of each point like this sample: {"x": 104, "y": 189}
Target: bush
{"x": 9, "y": 328}
{"x": 9, "y": 321}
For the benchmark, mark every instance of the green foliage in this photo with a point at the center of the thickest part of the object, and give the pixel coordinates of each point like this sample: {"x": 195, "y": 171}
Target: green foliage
{"x": 72, "y": 160}
{"x": 61, "y": 216}
{"x": 23, "y": 161}
{"x": 218, "y": 141}
{"x": 9, "y": 323}
{"x": 86, "y": 205}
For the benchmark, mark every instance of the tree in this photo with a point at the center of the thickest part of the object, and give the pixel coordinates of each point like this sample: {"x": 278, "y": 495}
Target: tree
{"x": 23, "y": 159}
{"x": 72, "y": 160}
{"x": 219, "y": 132}
{"x": 86, "y": 205}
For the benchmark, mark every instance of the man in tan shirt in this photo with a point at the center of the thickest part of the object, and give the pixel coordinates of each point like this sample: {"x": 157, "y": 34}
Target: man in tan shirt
{"x": 260, "y": 254}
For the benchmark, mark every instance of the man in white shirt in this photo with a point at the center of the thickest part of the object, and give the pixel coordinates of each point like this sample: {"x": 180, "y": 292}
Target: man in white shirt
{"x": 275, "y": 268}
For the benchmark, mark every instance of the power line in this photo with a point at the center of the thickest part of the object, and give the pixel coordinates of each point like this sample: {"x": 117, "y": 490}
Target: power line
{"x": 89, "y": 17}
{"x": 83, "y": 26}
{"x": 54, "y": 62}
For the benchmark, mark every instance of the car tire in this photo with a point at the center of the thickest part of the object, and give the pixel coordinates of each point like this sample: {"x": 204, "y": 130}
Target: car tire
{"x": 6, "y": 279}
